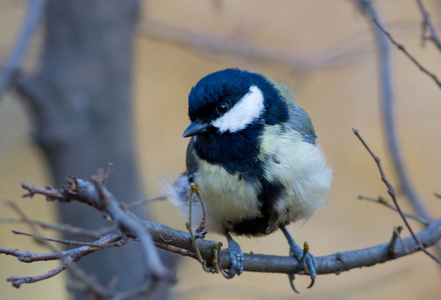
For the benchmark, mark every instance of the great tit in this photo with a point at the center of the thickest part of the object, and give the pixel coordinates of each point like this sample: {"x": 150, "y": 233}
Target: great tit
{"x": 253, "y": 153}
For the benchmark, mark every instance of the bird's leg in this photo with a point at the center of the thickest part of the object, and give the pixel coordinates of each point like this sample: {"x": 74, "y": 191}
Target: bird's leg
{"x": 236, "y": 257}
{"x": 302, "y": 256}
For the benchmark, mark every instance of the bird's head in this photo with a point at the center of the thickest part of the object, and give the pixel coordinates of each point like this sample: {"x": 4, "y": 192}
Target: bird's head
{"x": 232, "y": 100}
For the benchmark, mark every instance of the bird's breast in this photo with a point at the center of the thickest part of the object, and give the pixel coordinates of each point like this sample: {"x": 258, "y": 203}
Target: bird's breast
{"x": 229, "y": 198}
{"x": 290, "y": 182}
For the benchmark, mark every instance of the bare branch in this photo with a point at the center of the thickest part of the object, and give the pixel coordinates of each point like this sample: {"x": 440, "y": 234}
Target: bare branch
{"x": 413, "y": 59}
{"x": 391, "y": 192}
{"x": 68, "y": 257}
{"x": 335, "y": 263}
{"x": 50, "y": 193}
{"x": 67, "y": 228}
{"x": 241, "y": 48}
{"x": 77, "y": 243}
{"x": 12, "y": 66}
{"x": 384, "y": 202}
{"x": 76, "y": 190}
{"x": 176, "y": 250}
{"x": 136, "y": 204}
{"x": 180, "y": 242}
{"x": 18, "y": 281}
{"x": 118, "y": 214}
{"x": 428, "y": 25}
{"x": 282, "y": 264}
{"x": 387, "y": 99}
{"x": 77, "y": 253}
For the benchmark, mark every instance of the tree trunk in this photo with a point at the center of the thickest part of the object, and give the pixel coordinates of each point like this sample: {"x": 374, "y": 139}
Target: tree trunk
{"x": 81, "y": 100}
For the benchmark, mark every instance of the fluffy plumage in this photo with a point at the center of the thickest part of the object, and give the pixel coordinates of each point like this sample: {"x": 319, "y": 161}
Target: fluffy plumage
{"x": 260, "y": 177}
{"x": 253, "y": 154}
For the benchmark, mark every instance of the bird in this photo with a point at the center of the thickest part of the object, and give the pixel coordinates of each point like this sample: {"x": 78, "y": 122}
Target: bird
{"x": 254, "y": 156}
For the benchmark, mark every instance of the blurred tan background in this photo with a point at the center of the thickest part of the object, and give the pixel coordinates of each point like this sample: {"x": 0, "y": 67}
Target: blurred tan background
{"x": 337, "y": 99}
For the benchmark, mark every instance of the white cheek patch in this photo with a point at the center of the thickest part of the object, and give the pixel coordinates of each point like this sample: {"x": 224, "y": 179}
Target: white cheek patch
{"x": 246, "y": 111}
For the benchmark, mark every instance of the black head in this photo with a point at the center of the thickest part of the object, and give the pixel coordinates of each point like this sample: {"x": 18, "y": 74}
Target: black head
{"x": 230, "y": 100}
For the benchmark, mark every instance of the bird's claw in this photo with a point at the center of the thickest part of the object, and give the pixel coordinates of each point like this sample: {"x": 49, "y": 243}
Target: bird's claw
{"x": 291, "y": 278}
{"x": 307, "y": 260}
{"x": 311, "y": 265}
{"x": 303, "y": 257}
{"x": 236, "y": 257}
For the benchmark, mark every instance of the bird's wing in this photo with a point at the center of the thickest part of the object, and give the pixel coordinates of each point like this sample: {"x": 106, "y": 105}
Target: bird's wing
{"x": 191, "y": 162}
{"x": 300, "y": 121}
{"x": 298, "y": 118}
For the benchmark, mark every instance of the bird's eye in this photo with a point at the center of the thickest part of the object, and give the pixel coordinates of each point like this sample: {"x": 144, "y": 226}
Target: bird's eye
{"x": 222, "y": 107}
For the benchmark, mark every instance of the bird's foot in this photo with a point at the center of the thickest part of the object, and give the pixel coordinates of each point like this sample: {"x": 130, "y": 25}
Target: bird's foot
{"x": 236, "y": 257}
{"x": 303, "y": 256}
{"x": 306, "y": 259}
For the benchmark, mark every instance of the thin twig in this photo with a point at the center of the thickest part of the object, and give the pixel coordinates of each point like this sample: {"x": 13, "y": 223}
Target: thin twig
{"x": 130, "y": 206}
{"x": 391, "y": 192}
{"x": 66, "y": 228}
{"x": 383, "y": 201}
{"x": 427, "y": 24}
{"x": 174, "y": 249}
{"x": 76, "y": 243}
{"x": 18, "y": 281}
{"x": 106, "y": 175}
{"x": 387, "y": 100}
{"x": 112, "y": 206}
{"x": 396, "y": 235}
{"x": 412, "y": 58}
{"x": 67, "y": 262}
{"x": 50, "y": 193}
{"x": 240, "y": 47}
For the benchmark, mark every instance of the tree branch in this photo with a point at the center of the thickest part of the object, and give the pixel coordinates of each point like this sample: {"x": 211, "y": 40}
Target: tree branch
{"x": 12, "y": 66}
{"x": 384, "y": 202}
{"x": 241, "y": 48}
{"x": 387, "y": 99}
{"x": 72, "y": 255}
{"x": 391, "y": 192}
{"x": 126, "y": 221}
{"x": 180, "y": 242}
{"x": 428, "y": 25}
{"x": 413, "y": 59}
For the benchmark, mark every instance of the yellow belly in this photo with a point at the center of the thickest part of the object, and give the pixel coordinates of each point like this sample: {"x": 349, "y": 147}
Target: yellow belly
{"x": 227, "y": 197}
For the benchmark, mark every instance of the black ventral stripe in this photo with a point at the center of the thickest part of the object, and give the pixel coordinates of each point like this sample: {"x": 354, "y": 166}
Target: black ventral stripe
{"x": 269, "y": 195}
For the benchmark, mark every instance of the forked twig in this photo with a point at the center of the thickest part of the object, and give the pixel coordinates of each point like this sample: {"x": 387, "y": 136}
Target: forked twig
{"x": 413, "y": 59}
{"x": 391, "y": 192}
{"x": 428, "y": 25}
{"x": 384, "y": 202}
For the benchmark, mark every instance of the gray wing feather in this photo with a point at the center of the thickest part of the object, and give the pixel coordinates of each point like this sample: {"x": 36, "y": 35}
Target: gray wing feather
{"x": 298, "y": 118}
{"x": 301, "y": 122}
{"x": 191, "y": 162}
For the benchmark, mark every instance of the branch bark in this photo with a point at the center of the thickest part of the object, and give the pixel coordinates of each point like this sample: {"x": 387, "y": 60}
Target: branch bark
{"x": 181, "y": 243}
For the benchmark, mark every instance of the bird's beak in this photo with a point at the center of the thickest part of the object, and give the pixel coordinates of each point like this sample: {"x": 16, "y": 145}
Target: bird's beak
{"x": 194, "y": 128}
